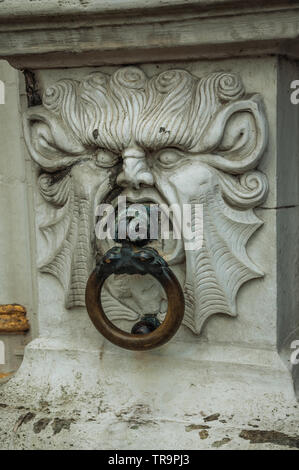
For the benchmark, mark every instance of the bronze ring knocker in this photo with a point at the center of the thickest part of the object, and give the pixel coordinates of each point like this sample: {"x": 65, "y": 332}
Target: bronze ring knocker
{"x": 130, "y": 260}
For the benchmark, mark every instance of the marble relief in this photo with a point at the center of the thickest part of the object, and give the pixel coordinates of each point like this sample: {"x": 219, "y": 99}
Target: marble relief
{"x": 173, "y": 138}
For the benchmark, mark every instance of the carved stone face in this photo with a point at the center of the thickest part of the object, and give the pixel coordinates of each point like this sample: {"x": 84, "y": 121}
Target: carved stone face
{"x": 172, "y": 138}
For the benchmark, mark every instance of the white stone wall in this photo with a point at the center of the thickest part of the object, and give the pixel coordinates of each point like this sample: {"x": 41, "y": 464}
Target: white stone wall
{"x": 255, "y": 325}
{"x": 79, "y": 390}
{"x": 17, "y": 235}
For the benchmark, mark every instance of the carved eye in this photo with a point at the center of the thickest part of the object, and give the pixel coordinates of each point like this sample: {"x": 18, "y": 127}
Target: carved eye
{"x": 168, "y": 158}
{"x": 106, "y": 159}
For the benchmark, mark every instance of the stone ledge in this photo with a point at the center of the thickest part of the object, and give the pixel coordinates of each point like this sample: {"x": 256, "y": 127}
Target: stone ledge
{"x": 58, "y": 40}
{"x": 30, "y": 11}
{"x": 108, "y": 402}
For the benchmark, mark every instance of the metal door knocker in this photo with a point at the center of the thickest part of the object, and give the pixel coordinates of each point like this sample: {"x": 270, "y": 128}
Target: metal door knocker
{"x": 147, "y": 333}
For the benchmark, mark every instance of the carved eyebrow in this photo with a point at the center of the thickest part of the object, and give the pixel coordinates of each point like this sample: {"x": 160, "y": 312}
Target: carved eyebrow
{"x": 172, "y": 148}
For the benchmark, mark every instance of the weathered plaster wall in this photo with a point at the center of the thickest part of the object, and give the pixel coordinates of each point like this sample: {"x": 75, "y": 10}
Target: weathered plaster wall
{"x": 255, "y": 325}
{"x": 83, "y": 392}
{"x": 287, "y": 213}
{"x": 17, "y": 236}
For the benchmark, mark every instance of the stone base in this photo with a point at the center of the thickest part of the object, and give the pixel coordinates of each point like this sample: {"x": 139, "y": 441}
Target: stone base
{"x": 216, "y": 396}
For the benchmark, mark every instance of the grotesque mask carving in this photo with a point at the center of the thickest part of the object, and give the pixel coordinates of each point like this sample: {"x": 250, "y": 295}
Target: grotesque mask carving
{"x": 172, "y": 138}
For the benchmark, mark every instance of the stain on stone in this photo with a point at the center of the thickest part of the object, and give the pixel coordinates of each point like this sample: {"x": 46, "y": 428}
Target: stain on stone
{"x": 28, "y": 417}
{"x": 102, "y": 407}
{"x": 43, "y": 404}
{"x": 272, "y": 437}
{"x": 163, "y": 130}
{"x": 204, "y": 434}
{"x": 195, "y": 427}
{"x": 40, "y": 425}
{"x": 3, "y": 405}
{"x": 221, "y": 443}
{"x": 213, "y": 417}
{"x": 59, "y": 424}
{"x": 23, "y": 419}
{"x": 138, "y": 414}
{"x": 32, "y": 89}
{"x": 95, "y": 134}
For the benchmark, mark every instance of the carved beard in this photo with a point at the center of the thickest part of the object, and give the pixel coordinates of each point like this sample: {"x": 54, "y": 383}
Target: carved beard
{"x": 212, "y": 274}
{"x": 71, "y": 230}
{"x": 217, "y": 269}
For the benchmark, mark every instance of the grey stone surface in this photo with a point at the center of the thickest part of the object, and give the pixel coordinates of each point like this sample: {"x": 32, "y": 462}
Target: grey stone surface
{"x": 230, "y": 387}
{"x": 17, "y": 235}
{"x": 69, "y": 34}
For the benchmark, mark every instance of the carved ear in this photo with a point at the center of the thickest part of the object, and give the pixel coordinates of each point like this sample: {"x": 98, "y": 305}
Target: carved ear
{"x": 48, "y": 141}
{"x": 237, "y": 136}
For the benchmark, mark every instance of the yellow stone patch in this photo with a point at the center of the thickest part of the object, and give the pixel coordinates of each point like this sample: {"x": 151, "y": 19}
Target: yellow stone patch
{"x": 13, "y": 319}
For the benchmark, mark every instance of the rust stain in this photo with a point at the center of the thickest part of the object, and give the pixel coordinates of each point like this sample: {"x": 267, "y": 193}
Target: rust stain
{"x": 13, "y": 319}
{"x": 2, "y": 375}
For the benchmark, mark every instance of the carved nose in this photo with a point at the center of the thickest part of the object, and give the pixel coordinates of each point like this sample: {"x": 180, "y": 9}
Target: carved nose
{"x": 135, "y": 171}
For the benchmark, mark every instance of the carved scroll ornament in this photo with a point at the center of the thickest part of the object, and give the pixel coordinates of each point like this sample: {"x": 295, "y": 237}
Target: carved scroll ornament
{"x": 172, "y": 138}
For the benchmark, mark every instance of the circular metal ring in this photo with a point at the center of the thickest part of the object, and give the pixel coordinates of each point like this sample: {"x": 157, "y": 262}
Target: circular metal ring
{"x": 128, "y": 260}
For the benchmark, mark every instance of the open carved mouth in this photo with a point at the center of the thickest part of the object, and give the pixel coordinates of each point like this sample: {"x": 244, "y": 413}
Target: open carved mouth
{"x": 169, "y": 244}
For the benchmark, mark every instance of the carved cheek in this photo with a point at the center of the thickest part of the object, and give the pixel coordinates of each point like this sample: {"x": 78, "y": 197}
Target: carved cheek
{"x": 88, "y": 178}
{"x": 188, "y": 182}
